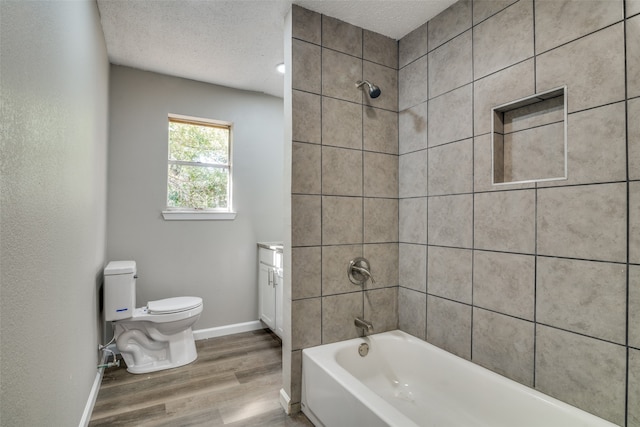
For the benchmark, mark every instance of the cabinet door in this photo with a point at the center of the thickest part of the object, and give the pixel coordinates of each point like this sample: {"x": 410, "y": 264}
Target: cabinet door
{"x": 277, "y": 274}
{"x": 267, "y": 295}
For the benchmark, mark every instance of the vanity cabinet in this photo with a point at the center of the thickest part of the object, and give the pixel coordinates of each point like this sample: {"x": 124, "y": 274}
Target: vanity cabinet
{"x": 270, "y": 292}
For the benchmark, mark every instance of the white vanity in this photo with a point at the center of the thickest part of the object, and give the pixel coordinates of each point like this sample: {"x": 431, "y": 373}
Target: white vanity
{"x": 270, "y": 292}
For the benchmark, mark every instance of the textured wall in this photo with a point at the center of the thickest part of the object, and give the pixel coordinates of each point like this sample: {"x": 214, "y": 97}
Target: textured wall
{"x": 215, "y": 260}
{"x": 540, "y": 283}
{"x": 53, "y": 153}
{"x": 344, "y": 182}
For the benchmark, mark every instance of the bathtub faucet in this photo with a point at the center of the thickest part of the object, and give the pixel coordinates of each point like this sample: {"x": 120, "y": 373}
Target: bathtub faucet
{"x": 367, "y": 327}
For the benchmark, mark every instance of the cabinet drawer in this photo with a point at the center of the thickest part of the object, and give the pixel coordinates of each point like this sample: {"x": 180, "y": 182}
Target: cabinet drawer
{"x": 267, "y": 256}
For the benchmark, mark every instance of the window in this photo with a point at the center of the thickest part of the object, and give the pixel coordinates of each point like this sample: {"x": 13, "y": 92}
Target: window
{"x": 199, "y": 168}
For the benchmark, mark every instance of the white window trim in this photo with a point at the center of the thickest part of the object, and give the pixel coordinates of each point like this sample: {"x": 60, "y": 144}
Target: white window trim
{"x": 186, "y": 214}
{"x": 197, "y": 215}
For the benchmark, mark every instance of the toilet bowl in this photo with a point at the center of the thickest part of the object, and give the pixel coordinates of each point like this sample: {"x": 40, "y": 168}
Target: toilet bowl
{"x": 151, "y": 338}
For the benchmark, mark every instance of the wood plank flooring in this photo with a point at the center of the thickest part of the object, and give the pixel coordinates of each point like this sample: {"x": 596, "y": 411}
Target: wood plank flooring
{"x": 235, "y": 381}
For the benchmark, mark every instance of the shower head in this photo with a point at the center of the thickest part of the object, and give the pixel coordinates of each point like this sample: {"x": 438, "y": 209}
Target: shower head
{"x": 374, "y": 91}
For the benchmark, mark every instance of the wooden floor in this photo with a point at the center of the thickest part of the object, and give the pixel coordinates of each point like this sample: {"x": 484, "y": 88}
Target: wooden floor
{"x": 235, "y": 381}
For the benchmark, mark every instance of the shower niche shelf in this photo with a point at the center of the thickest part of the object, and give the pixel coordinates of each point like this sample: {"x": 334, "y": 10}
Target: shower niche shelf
{"x": 529, "y": 139}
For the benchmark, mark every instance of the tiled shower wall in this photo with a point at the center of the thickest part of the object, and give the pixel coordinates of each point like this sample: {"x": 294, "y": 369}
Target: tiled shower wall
{"x": 538, "y": 282}
{"x": 344, "y": 201}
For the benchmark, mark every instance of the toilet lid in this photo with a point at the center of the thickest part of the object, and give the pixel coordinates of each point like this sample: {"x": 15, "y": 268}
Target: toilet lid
{"x": 173, "y": 305}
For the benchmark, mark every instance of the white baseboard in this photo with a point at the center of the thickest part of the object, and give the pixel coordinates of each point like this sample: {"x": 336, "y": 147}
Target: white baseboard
{"x": 93, "y": 394}
{"x": 220, "y": 331}
{"x": 285, "y": 401}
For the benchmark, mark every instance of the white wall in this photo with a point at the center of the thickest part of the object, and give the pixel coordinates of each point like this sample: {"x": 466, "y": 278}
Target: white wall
{"x": 216, "y": 260}
{"x": 53, "y": 150}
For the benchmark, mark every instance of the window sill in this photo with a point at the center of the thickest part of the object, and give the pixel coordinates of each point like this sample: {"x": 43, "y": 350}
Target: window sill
{"x": 198, "y": 216}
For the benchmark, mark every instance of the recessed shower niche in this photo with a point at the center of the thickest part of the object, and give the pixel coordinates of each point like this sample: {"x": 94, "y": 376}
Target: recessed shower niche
{"x": 530, "y": 139}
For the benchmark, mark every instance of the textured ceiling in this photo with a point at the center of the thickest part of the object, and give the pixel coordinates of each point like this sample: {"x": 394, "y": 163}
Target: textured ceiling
{"x": 235, "y": 43}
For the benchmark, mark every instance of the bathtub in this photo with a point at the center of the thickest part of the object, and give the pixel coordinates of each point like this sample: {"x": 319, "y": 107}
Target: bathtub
{"x": 406, "y": 382}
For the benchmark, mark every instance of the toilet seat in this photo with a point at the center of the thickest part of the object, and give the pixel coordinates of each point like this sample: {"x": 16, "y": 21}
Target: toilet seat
{"x": 173, "y": 305}
{"x": 167, "y": 310}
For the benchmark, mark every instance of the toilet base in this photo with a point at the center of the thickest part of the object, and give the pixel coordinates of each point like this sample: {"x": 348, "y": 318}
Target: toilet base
{"x": 156, "y": 365}
{"x": 145, "y": 350}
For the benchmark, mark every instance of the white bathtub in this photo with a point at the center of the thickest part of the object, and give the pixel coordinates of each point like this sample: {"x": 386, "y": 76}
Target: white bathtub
{"x": 406, "y": 382}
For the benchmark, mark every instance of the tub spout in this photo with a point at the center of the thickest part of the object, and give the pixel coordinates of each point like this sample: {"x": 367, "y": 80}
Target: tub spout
{"x": 366, "y": 326}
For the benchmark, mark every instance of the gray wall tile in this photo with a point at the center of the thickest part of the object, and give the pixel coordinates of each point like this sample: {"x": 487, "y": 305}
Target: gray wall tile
{"x": 341, "y": 36}
{"x": 412, "y": 312}
{"x": 449, "y": 273}
{"x": 633, "y": 110}
{"x": 505, "y": 86}
{"x": 505, "y": 283}
{"x": 381, "y": 309}
{"x": 634, "y": 306}
{"x": 380, "y": 220}
{"x": 515, "y": 25}
{"x": 380, "y": 49}
{"x": 449, "y": 23}
{"x": 633, "y": 7}
{"x": 413, "y": 220}
{"x": 450, "y": 65}
{"x": 306, "y": 25}
{"x": 338, "y": 315}
{"x": 587, "y": 222}
{"x": 559, "y": 22}
{"x": 387, "y": 80}
{"x": 582, "y": 296}
{"x": 340, "y": 72}
{"x": 341, "y": 220}
{"x": 305, "y": 220}
{"x": 340, "y": 123}
{"x": 305, "y": 168}
{"x": 634, "y": 222}
{"x": 413, "y": 85}
{"x": 413, "y": 265}
{"x": 412, "y": 128}
{"x": 451, "y": 168}
{"x": 413, "y": 46}
{"x": 482, "y": 167}
{"x": 451, "y": 221}
{"x": 306, "y": 117}
{"x": 596, "y": 146}
{"x": 306, "y": 323}
{"x": 380, "y": 128}
{"x": 451, "y": 116}
{"x": 505, "y": 221}
{"x": 296, "y": 372}
{"x": 412, "y": 174}
{"x": 633, "y": 57}
{"x": 566, "y": 362}
{"x": 335, "y": 260}
{"x": 532, "y": 115}
{"x": 341, "y": 171}
{"x": 380, "y": 175}
{"x": 449, "y": 326}
{"x": 384, "y": 260}
{"x": 483, "y": 9}
{"x": 533, "y": 154}
{"x": 306, "y": 279}
{"x": 592, "y": 67}
{"x": 633, "y": 417}
{"x": 305, "y": 74}
{"x": 504, "y": 345}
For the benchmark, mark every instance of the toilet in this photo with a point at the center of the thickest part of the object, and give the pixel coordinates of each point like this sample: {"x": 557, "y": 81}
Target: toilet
{"x": 151, "y": 338}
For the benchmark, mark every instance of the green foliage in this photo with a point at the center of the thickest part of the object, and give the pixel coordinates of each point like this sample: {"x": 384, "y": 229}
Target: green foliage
{"x": 198, "y": 186}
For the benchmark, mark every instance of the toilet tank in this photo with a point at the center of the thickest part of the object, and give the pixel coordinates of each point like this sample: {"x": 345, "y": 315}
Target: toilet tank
{"x": 119, "y": 290}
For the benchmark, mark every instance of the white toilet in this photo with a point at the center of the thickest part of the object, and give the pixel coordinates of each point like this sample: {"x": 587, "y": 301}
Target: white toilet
{"x": 154, "y": 337}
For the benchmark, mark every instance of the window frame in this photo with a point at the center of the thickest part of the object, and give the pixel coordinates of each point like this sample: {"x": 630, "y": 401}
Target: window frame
{"x": 186, "y": 213}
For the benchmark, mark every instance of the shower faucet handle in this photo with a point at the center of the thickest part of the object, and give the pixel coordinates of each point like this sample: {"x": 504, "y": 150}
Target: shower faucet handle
{"x": 359, "y": 271}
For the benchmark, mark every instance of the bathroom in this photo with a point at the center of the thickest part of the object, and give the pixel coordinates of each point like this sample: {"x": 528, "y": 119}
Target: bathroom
{"x": 444, "y": 222}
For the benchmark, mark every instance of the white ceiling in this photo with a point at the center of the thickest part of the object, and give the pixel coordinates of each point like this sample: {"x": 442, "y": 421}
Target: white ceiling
{"x": 235, "y": 43}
